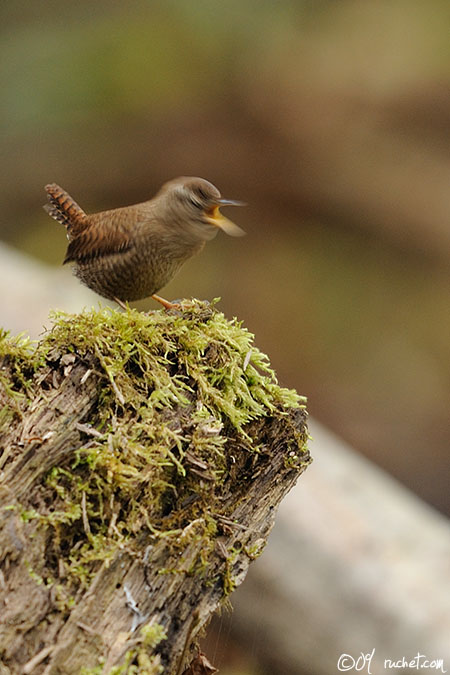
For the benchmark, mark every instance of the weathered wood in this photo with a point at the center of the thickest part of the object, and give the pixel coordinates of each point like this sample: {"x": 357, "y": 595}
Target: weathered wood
{"x": 364, "y": 565}
{"x": 137, "y": 597}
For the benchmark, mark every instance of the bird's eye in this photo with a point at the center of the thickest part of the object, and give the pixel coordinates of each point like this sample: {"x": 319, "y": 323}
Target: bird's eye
{"x": 195, "y": 202}
{"x": 202, "y": 194}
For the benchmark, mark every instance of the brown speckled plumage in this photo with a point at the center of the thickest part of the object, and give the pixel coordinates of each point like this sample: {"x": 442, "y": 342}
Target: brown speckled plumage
{"x": 131, "y": 252}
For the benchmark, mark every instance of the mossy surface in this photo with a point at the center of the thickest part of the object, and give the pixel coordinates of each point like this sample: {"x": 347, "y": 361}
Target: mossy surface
{"x": 16, "y": 367}
{"x": 197, "y": 363}
{"x": 174, "y": 390}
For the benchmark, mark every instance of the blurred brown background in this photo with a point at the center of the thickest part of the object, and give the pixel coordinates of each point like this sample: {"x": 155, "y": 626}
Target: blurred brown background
{"x": 330, "y": 119}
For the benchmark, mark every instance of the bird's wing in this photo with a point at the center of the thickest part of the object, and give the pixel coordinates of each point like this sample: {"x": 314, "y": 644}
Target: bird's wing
{"x": 65, "y": 210}
{"x": 106, "y": 233}
{"x": 95, "y": 243}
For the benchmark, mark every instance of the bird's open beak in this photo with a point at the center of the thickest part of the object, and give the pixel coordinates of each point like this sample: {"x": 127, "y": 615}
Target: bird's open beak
{"x": 216, "y": 218}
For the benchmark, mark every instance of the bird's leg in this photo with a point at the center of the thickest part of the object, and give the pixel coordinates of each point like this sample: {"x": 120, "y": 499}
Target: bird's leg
{"x": 121, "y": 303}
{"x": 165, "y": 303}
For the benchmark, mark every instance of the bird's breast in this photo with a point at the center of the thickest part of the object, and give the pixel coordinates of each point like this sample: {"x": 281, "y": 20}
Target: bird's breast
{"x": 148, "y": 265}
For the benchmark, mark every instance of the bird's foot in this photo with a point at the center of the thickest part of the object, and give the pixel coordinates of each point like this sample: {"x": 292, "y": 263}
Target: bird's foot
{"x": 121, "y": 303}
{"x": 166, "y": 303}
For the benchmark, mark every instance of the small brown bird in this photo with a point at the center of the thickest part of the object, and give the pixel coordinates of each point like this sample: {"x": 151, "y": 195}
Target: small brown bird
{"x": 131, "y": 252}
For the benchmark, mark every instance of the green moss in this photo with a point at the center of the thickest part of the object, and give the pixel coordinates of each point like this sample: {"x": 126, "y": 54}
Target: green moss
{"x": 17, "y": 348}
{"x": 197, "y": 363}
{"x": 139, "y": 660}
{"x": 137, "y": 352}
{"x": 152, "y": 634}
{"x": 17, "y": 363}
{"x": 173, "y": 388}
{"x": 96, "y": 670}
{"x": 255, "y": 551}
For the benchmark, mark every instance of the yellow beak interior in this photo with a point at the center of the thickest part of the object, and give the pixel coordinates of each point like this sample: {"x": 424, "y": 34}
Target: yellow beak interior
{"x": 216, "y": 218}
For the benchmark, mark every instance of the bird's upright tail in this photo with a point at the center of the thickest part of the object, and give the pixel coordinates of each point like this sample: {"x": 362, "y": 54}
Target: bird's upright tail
{"x": 65, "y": 210}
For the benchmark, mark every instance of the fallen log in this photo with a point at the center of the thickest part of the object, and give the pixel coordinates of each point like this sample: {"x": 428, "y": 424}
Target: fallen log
{"x": 142, "y": 461}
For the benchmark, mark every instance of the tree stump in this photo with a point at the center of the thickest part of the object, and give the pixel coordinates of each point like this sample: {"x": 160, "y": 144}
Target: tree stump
{"x": 142, "y": 460}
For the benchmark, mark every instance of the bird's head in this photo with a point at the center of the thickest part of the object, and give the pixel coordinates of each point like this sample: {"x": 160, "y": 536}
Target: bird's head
{"x": 198, "y": 201}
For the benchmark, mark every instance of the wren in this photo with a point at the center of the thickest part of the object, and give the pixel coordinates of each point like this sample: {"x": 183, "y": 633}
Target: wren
{"x": 130, "y": 253}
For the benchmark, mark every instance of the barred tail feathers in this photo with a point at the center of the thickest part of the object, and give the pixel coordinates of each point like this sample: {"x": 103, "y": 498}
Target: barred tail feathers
{"x": 65, "y": 210}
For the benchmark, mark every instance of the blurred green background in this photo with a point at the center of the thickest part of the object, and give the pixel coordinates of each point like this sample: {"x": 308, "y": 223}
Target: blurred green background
{"x": 331, "y": 120}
